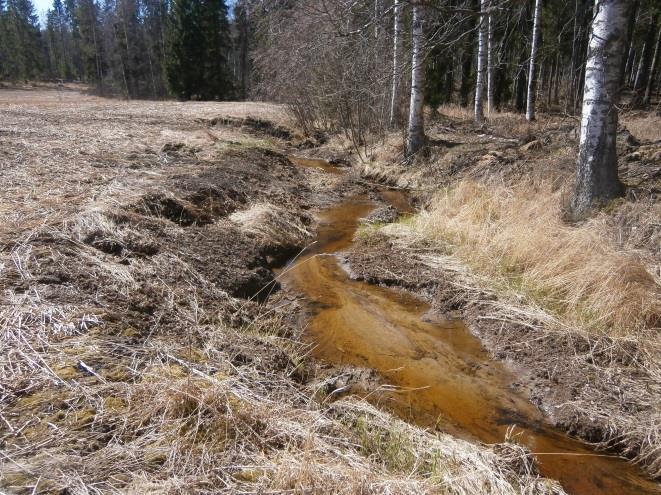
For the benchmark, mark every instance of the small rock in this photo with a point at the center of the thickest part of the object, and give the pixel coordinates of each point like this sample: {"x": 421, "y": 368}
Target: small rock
{"x": 386, "y": 214}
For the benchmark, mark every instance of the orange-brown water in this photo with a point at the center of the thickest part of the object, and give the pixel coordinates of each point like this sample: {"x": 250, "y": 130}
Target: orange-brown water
{"x": 444, "y": 376}
{"x": 315, "y": 163}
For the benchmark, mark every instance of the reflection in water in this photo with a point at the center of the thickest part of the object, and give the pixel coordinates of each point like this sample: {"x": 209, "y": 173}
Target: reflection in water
{"x": 444, "y": 375}
{"x": 315, "y": 163}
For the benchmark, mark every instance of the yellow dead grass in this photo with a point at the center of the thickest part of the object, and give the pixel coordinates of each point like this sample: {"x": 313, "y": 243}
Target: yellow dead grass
{"x": 643, "y": 126}
{"x": 515, "y": 235}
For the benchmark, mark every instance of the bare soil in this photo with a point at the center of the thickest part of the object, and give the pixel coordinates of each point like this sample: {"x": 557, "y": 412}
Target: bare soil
{"x": 146, "y": 346}
{"x": 593, "y": 387}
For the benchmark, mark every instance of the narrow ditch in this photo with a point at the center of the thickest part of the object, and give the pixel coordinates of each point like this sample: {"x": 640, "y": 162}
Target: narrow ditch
{"x": 444, "y": 377}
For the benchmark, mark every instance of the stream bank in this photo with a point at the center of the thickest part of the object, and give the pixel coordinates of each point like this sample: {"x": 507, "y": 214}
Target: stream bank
{"x": 442, "y": 376}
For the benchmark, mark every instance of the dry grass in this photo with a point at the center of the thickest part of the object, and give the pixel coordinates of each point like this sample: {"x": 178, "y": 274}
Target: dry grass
{"x": 577, "y": 306}
{"x": 504, "y": 123}
{"x": 602, "y": 386}
{"x": 273, "y": 224}
{"x": 646, "y": 126}
{"x": 516, "y": 236}
{"x": 124, "y": 368}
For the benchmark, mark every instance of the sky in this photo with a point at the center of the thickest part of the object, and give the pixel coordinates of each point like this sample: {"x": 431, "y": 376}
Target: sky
{"x": 42, "y": 6}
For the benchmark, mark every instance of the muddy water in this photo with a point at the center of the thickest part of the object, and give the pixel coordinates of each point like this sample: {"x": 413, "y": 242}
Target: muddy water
{"x": 444, "y": 376}
{"x": 315, "y": 163}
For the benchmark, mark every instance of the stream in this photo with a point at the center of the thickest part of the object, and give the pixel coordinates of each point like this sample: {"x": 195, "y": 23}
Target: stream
{"x": 444, "y": 377}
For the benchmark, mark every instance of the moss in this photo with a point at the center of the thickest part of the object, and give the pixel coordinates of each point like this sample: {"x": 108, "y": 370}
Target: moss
{"x": 66, "y": 371}
{"x": 52, "y": 398}
{"x": 116, "y": 374}
{"x": 129, "y": 332}
{"x": 82, "y": 417}
{"x": 156, "y": 455}
{"x": 114, "y": 404}
{"x": 249, "y": 475}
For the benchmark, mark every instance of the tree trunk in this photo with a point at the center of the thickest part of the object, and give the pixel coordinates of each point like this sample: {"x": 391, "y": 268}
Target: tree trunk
{"x": 553, "y": 79}
{"x": 395, "y": 59}
{"x": 572, "y": 64}
{"x": 653, "y": 68}
{"x": 481, "y": 58}
{"x": 628, "y": 60}
{"x": 596, "y": 174}
{"x": 643, "y": 73}
{"x": 520, "y": 84}
{"x": 416, "y": 130}
{"x": 530, "y": 102}
{"x": 490, "y": 67}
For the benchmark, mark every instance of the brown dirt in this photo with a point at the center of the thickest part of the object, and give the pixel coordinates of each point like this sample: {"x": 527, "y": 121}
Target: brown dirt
{"x": 135, "y": 241}
{"x": 123, "y": 262}
{"x": 587, "y": 386}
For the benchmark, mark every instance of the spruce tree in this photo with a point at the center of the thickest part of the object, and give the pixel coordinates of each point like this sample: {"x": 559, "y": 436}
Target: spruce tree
{"x": 198, "y": 42}
{"x": 22, "y": 41}
{"x": 4, "y": 55}
{"x": 57, "y": 35}
{"x": 88, "y": 24}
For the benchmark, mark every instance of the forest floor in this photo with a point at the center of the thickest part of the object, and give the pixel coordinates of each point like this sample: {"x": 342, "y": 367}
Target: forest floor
{"x": 139, "y": 350}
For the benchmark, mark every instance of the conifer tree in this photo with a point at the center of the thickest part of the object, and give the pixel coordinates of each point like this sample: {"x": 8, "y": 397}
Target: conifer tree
{"x": 4, "y": 55}
{"x": 198, "y": 41}
{"x": 21, "y": 41}
{"x": 58, "y": 39}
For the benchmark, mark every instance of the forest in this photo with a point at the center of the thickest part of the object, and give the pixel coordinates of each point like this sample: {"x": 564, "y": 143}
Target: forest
{"x": 152, "y": 49}
{"x": 330, "y": 247}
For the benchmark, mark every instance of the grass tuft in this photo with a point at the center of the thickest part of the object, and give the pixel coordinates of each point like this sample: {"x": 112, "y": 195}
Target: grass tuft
{"x": 516, "y": 236}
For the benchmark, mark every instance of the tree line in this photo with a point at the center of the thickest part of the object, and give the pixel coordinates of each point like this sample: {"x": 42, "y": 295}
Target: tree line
{"x": 129, "y": 48}
{"x": 519, "y": 55}
{"x": 363, "y": 67}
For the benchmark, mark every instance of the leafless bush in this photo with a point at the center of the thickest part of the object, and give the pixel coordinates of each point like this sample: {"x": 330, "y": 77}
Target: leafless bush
{"x": 329, "y": 62}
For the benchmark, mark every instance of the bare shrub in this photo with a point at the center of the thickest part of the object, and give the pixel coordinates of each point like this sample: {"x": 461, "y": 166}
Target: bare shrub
{"x": 326, "y": 61}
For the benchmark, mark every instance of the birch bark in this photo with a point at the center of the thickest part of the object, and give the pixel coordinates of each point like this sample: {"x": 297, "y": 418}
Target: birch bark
{"x": 416, "y": 129}
{"x": 397, "y": 30}
{"x": 596, "y": 174}
{"x": 481, "y": 58}
{"x": 530, "y": 101}
{"x": 650, "y": 79}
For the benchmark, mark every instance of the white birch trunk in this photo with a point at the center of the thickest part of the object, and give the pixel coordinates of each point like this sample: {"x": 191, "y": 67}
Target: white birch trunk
{"x": 416, "y": 130}
{"x": 596, "y": 174}
{"x": 532, "y": 76}
{"x": 481, "y": 59}
{"x": 490, "y": 65}
{"x": 397, "y": 33}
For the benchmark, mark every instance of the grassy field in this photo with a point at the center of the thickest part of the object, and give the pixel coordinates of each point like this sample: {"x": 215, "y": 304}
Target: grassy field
{"x": 132, "y": 359}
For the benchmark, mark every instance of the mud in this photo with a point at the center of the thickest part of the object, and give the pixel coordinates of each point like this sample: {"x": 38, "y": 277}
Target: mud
{"x": 443, "y": 376}
{"x": 547, "y": 372}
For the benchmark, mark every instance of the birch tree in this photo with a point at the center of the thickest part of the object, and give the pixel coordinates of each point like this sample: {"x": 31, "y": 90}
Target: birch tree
{"x": 490, "y": 62}
{"x": 530, "y": 100}
{"x": 596, "y": 174}
{"x": 481, "y": 58}
{"x": 397, "y": 30}
{"x": 416, "y": 128}
{"x": 643, "y": 72}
